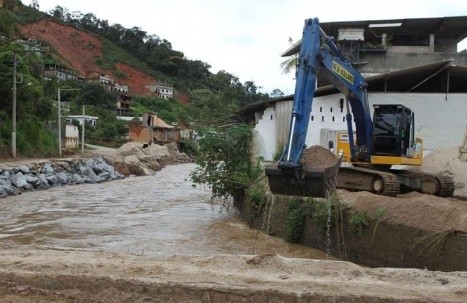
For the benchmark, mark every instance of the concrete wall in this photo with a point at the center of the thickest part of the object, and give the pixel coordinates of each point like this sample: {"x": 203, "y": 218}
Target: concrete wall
{"x": 440, "y": 119}
{"x": 379, "y": 62}
{"x": 265, "y": 144}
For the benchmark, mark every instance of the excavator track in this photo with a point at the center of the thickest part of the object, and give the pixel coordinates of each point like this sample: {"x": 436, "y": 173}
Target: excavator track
{"x": 432, "y": 184}
{"x": 363, "y": 179}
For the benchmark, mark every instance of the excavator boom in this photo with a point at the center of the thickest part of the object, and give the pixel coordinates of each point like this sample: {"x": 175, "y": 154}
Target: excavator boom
{"x": 318, "y": 52}
{"x": 387, "y": 139}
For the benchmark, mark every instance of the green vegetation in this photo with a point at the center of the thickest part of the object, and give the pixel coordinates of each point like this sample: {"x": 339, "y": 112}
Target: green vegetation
{"x": 297, "y": 209}
{"x": 321, "y": 213}
{"x": 358, "y": 222}
{"x": 156, "y": 57}
{"x": 168, "y": 110}
{"x": 257, "y": 198}
{"x": 215, "y": 97}
{"x": 432, "y": 244}
{"x": 224, "y": 160}
{"x": 379, "y": 216}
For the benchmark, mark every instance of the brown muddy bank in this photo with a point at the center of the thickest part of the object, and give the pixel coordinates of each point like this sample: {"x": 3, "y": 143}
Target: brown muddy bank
{"x": 411, "y": 230}
{"x": 83, "y": 276}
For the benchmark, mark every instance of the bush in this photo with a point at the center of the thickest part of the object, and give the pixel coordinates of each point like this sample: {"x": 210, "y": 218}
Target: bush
{"x": 224, "y": 160}
{"x": 295, "y": 219}
{"x": 358, "y": 222}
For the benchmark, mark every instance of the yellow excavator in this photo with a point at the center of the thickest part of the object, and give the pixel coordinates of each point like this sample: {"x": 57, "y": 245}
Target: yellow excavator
{"x": 377, "y": 144}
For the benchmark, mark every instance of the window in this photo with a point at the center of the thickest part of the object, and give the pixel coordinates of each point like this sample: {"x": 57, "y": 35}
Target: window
{"x": 343, "y": 119}
{"x": 320, "y": 109}
{"x": 331, "y": 109}
{"x": 322, "y": 118}
{"x": 332, "y": 118}
{"x": 271, "y": 117}
{"x": 312, "y": 118}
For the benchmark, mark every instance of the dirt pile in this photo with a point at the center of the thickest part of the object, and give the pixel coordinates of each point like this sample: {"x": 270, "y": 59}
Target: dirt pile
{"x": 29, "y": 276}
{"x": 134, "y": 158}
{"x": 445, "y": 161}
{"x": 318, "y": 156}
{"x": 425, "y": 212}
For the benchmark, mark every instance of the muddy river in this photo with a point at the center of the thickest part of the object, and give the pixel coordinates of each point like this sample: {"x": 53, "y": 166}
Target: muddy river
{"x": 154, "y": 215}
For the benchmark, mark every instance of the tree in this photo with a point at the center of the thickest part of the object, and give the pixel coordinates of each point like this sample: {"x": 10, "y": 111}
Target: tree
{"x": 95, "y": 94}
{"x": 224, "y": 160}
{"x": 210, "y": 108}
{"x": 35, "y": 4}
{"x": 289, "y": 64}
{"x": 276, "y": 93}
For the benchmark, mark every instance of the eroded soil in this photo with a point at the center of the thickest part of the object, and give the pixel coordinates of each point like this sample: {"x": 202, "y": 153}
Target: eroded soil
{"x": 54, "y": 275}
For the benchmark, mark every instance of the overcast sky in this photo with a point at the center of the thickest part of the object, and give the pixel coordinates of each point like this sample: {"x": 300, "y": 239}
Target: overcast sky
{"x": 246, "y": 37}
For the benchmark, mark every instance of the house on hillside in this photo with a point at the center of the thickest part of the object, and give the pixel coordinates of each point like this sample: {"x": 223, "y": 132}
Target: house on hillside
{"x": 90, "y": 120}
{"x": 106, "y": 81}
{"x": 162, "y": 89}
{"x": 124, "y": 103}
{"x": 60, "y": 72}
{"x": 119, "y": 88}
{"x": 153, "y": 129}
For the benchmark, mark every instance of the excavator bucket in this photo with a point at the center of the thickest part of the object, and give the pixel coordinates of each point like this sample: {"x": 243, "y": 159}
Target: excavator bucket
{"x": 315, "y": 182}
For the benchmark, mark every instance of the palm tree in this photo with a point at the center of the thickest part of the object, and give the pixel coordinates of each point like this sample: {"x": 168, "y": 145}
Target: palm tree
{"x": 289, "y": 64}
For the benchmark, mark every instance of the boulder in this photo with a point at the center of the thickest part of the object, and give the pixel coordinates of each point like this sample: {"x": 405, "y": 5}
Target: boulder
{"x": 135, "y": 166}
{"x": 19, "y": 180}
{"x": 130, "y": 148}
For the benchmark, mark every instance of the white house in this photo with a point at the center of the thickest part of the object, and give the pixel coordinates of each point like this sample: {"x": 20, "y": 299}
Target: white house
{"x": 90, "y": 120}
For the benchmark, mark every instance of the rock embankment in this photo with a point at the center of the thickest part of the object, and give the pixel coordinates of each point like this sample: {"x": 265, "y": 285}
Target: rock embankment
{"x": 96, "y": 166}
{"x": 48, "y": 173}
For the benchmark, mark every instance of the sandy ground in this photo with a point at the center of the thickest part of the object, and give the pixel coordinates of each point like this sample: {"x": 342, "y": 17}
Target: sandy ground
{"x": 446, "y": 161}
{"x": 54, "y": 275}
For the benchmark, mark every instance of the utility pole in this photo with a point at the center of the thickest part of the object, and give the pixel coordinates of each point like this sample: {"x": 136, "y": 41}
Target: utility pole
{"x": 13, "y": 114}
{"x": 82, "y": 133}
{"x": 59, "y": 127}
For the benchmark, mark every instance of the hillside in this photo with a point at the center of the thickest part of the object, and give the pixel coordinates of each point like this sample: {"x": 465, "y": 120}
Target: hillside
{"x": 80, "y": 49}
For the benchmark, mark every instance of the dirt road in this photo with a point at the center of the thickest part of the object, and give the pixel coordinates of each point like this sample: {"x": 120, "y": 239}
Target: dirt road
{"x": 83, "y": 276}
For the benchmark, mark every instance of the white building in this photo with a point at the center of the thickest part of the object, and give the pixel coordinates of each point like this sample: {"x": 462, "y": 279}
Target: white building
{"x": 439, "y": 104}
{"x": 90, "y": 120}
{"x": 162, "y": 89}
{"x": 71, "y": 136}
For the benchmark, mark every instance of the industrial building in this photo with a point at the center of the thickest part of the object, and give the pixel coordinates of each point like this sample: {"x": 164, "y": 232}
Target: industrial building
{"x": 432, "y": 84}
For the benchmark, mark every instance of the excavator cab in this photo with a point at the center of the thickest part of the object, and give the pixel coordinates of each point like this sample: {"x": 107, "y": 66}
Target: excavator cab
{"x": 393, "y": 130}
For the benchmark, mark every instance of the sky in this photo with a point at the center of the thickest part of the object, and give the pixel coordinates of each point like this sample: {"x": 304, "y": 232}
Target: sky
{"x": 246, "y": 37}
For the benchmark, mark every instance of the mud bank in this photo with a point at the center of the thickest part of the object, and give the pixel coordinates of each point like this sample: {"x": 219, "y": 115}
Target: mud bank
{"x": 30, "y": 276}
{"x": 411, "y": 230}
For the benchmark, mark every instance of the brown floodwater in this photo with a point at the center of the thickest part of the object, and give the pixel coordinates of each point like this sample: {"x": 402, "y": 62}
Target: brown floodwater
{"x": 161, "y": 214}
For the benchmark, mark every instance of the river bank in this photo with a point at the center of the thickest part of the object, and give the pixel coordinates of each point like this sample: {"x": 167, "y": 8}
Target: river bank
{"x": 410, "y": 230}
{"x": 84, "y": 276}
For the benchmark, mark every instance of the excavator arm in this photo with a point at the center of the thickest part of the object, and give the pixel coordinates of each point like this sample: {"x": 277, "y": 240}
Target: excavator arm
{"x": 320, "y": 54}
